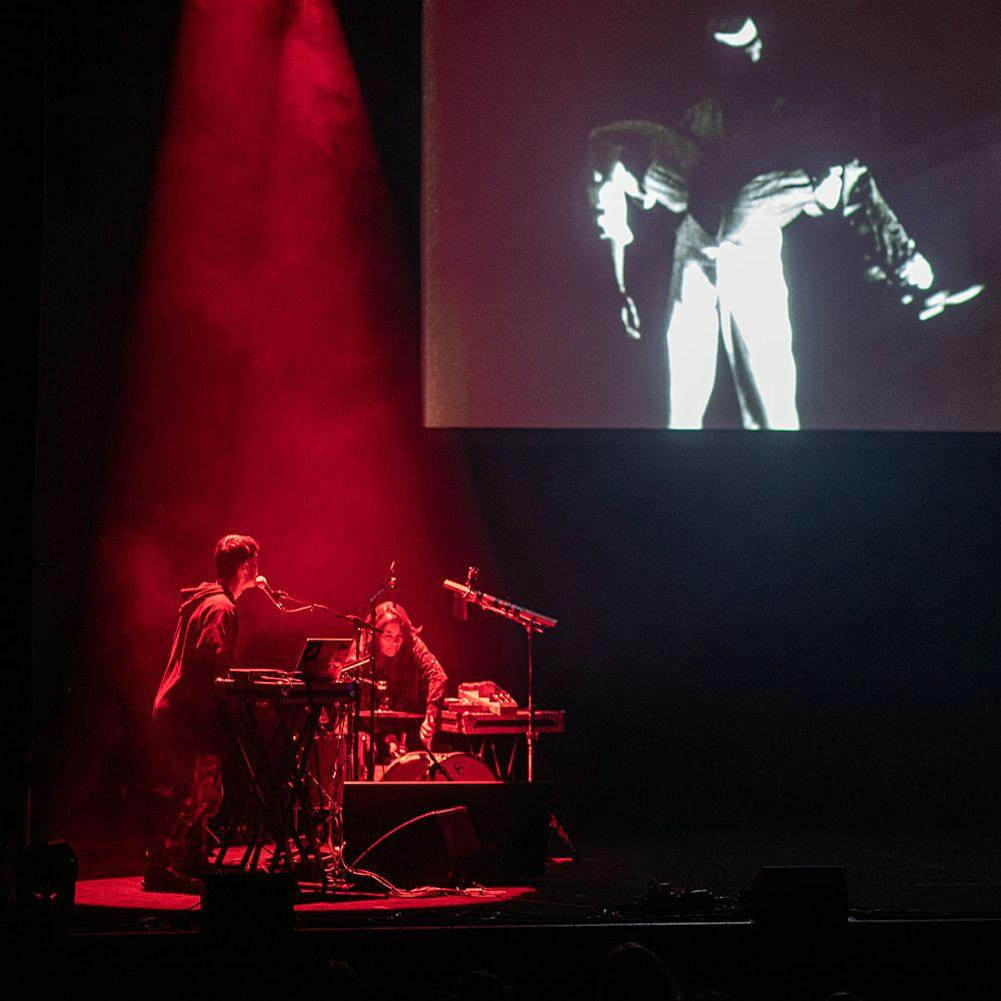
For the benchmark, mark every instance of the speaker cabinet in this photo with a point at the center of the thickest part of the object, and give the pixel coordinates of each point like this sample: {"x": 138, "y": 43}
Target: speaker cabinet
{"x": 248, "y": 905}
{"x": 508, "y": 820}
{"x": 439, "y": 848}
{"x": 790, "y": 894}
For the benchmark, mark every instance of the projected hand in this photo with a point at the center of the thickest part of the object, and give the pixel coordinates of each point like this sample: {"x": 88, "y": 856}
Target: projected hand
{"x": 630, "y": 316}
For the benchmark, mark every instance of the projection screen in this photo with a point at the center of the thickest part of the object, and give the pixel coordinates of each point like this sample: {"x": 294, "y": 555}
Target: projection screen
{"x": 653, "y": 214}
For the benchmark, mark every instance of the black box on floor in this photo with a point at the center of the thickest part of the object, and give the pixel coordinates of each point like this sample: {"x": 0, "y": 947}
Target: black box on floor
{"x": 248, "y": 905}
{"x": 792, "y": 894}
{"x": 439, "y": 848}
{"x": 45, "y": 876}
{"x": 510, "y": 820}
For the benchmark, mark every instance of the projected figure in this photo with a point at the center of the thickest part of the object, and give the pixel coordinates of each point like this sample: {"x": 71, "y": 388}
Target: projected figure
{"x": 187, "y": 730}
{"x": 717, "y": 173}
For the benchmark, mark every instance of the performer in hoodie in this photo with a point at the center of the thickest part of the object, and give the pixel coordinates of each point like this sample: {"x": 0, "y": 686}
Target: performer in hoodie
{"x": 187, "y": 726}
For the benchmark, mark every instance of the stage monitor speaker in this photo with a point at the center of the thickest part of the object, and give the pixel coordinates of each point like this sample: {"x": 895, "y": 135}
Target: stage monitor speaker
{"x": 439, "y": 848}
{"x": 787, "y": 894}
{"x": 510, "y": 821}
{"x": 45, "y": 881}
{"x": 248, "y": 905}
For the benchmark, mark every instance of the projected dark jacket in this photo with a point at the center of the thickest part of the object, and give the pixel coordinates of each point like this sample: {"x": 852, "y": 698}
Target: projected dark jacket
{"x": 702, "y": 166}
{"x": 203, "y": 647}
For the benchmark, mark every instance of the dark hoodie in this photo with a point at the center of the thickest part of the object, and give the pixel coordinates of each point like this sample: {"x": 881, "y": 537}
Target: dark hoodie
{"x": 204, "y": 642}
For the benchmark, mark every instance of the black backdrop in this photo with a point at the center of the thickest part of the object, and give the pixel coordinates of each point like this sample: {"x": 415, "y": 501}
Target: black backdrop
{"x": 751, "y": 627}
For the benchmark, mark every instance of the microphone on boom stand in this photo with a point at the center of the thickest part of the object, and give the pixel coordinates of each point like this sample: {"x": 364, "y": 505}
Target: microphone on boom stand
{"x": 280, "y": 598}
{"x": 273, "y": 596}
{"x": 460, "y": 608}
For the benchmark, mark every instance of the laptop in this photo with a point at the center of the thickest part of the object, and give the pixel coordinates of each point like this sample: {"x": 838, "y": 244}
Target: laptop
{"x": 323, "y": 657}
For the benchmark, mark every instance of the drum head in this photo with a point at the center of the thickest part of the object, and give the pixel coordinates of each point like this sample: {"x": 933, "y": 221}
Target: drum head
{"x": 410, "y": 767}
{"x": 459, "y": 767}
{"x": 456, "y": 766}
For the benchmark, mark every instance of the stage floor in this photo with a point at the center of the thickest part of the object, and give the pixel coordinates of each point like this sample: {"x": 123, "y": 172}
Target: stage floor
{"x": 124, "y": 893}
{"x": 906, "y": 872}
{"x": 923, "y": 904}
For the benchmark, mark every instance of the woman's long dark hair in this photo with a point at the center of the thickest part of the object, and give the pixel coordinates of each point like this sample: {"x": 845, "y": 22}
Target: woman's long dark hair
{"x": 390, "y": 611}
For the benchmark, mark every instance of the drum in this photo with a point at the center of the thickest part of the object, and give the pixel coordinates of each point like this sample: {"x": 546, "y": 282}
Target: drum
{"x": 455, "y": 767}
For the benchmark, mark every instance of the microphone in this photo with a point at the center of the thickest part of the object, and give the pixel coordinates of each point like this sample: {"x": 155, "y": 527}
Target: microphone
{"x": 459, "y": 605}
{"x": 262, "y": 582}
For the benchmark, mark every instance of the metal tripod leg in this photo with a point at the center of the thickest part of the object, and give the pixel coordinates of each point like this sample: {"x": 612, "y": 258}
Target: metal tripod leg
{"x": 557, "y": 828}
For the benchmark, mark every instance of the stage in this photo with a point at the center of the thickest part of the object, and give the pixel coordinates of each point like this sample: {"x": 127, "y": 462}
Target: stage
{"x": 120, "y": 896}
{"x": 904, "y": 872}
{"x": 922, "y": 904}
{"x": 253, "y": 307}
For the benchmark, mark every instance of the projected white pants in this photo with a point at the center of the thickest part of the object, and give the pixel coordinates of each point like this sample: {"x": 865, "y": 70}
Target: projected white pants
{"x": 731, "y": 286}
{"x": 736, "y": 286}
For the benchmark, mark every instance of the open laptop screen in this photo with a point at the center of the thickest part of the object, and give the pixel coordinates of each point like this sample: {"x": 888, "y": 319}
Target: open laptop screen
{"x": 322, "y": 656}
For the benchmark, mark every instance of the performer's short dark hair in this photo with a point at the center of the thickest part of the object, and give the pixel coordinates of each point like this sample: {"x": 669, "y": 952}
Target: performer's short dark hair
{"x": 231, "y": 551}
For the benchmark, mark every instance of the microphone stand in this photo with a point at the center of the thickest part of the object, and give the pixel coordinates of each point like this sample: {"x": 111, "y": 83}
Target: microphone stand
{"x": 436, "y": 766}
{"x": 373, "y": 600}
{"x": 368, "y": 654}
{"x": 533, "y": 622}
{"x": 278, "y": 599}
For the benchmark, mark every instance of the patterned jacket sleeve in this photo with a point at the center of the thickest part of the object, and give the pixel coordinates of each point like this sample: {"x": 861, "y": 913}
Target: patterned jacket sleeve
{"x": 431, "y": 673}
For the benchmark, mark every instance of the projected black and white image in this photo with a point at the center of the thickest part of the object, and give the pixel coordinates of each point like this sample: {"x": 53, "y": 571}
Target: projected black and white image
{"x": 656, "y": 214}
{"x": 727, "y": 279}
